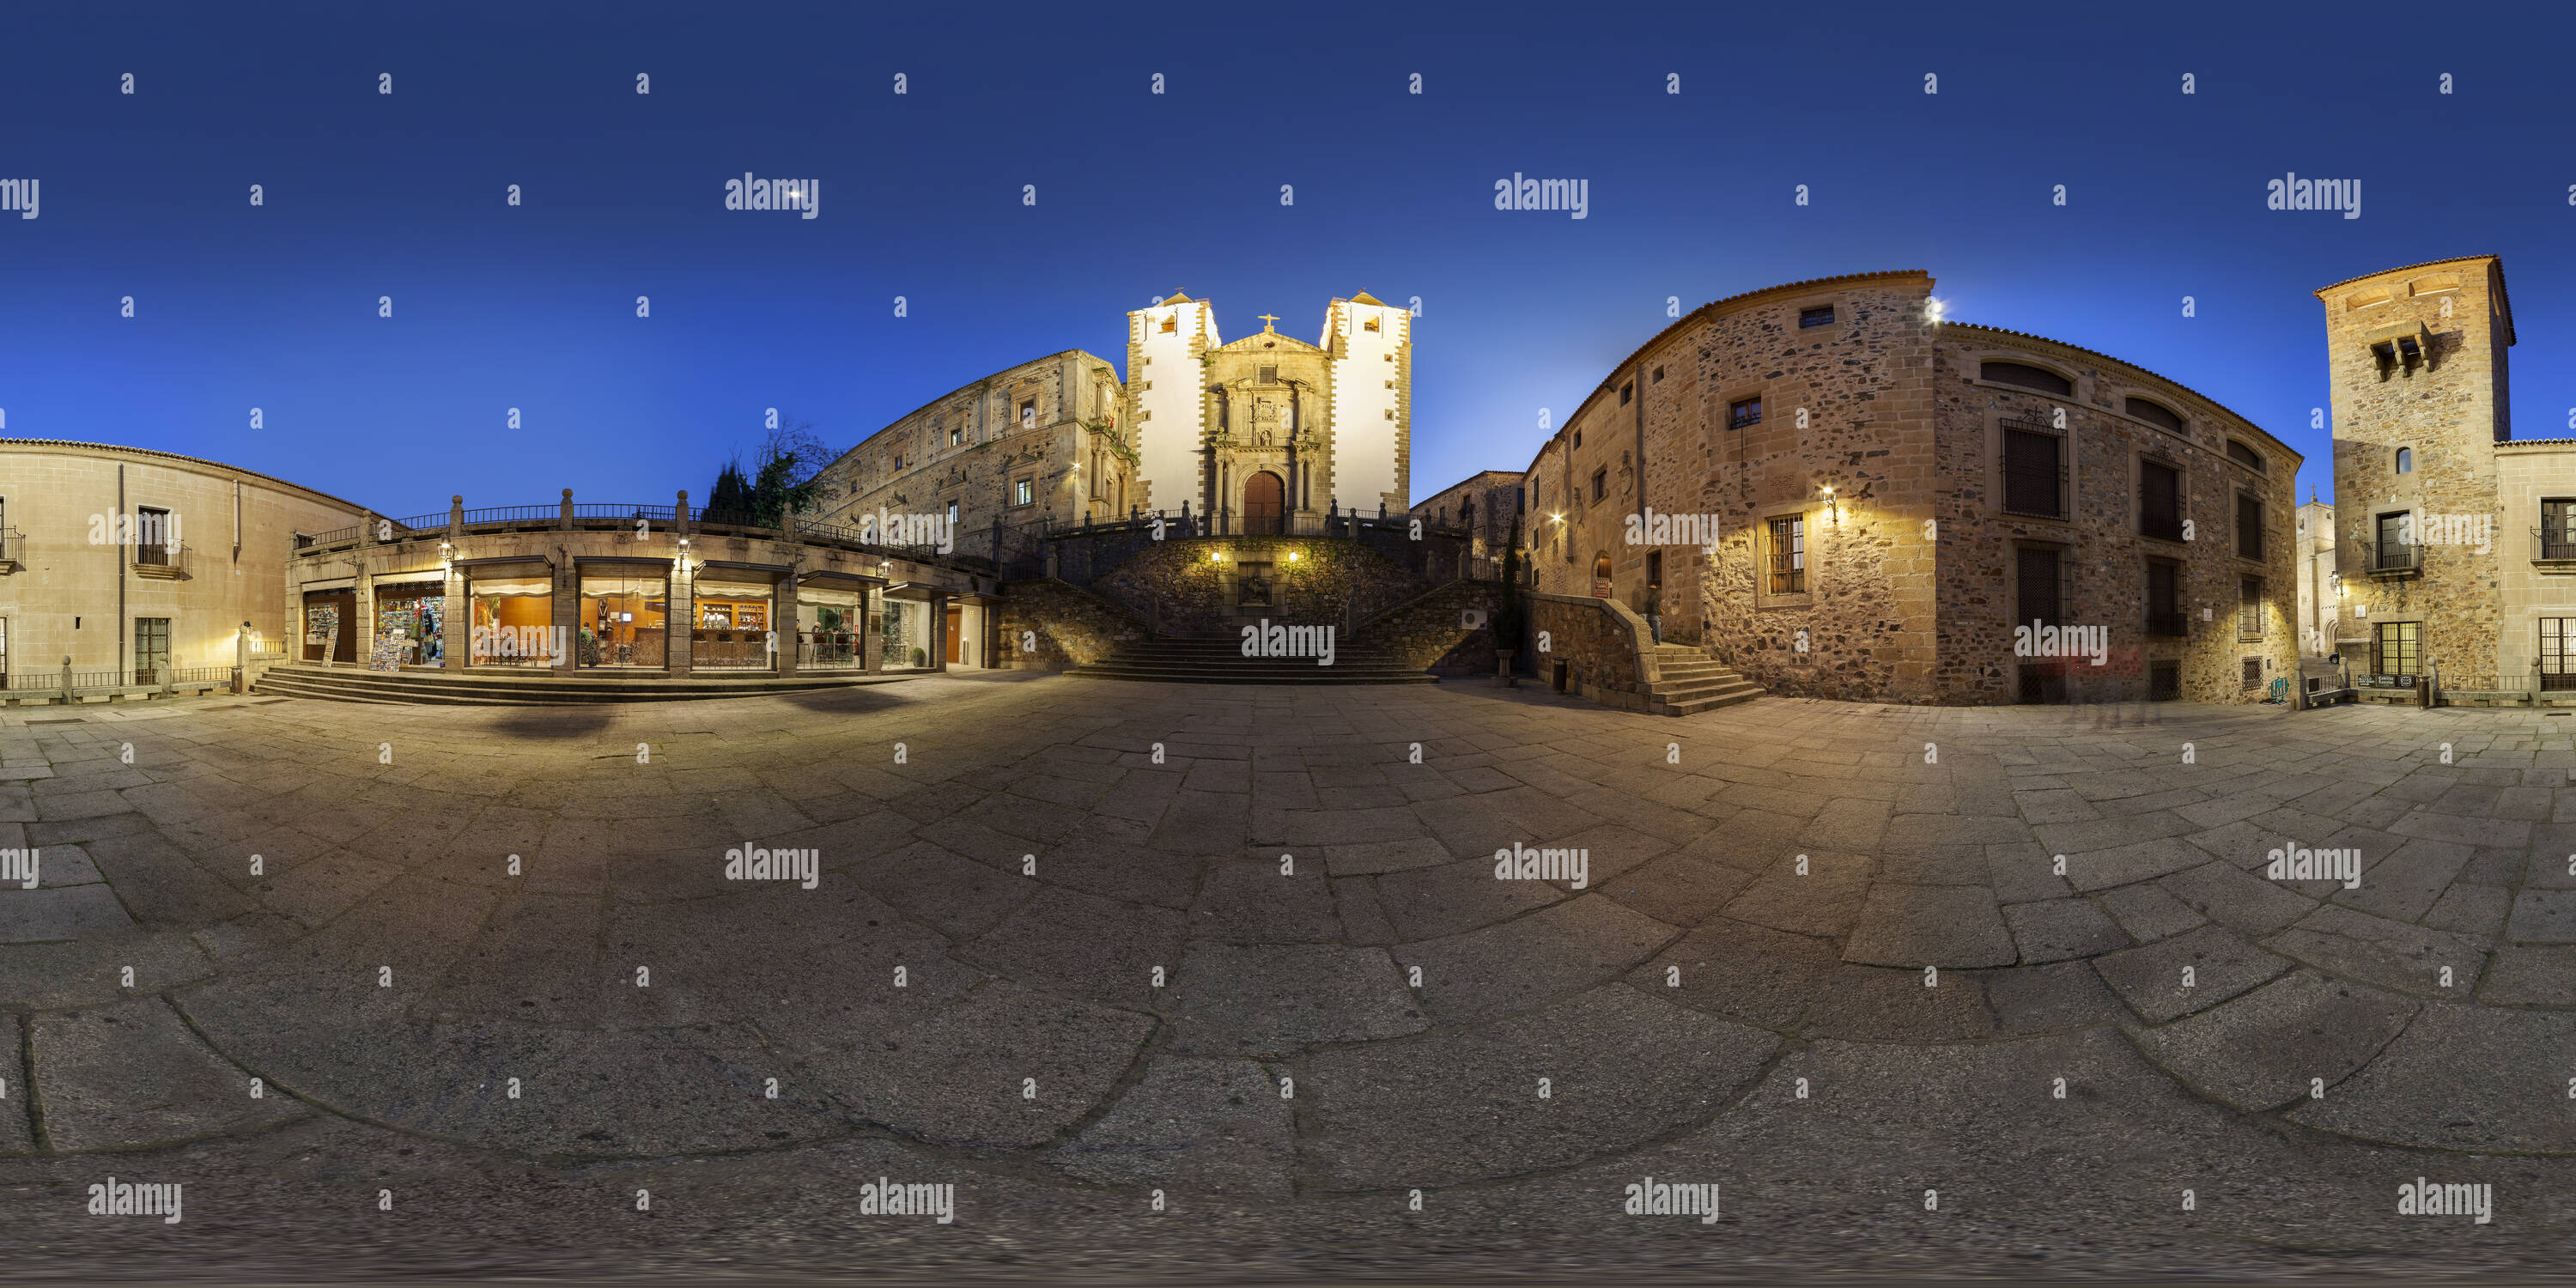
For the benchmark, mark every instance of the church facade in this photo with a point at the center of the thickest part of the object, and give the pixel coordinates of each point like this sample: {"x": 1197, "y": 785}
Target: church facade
{"x": 1269, "y": 433}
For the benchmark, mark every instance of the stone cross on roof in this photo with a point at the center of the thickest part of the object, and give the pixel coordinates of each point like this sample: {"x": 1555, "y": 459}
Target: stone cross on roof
{"x": 1266, "y": 320}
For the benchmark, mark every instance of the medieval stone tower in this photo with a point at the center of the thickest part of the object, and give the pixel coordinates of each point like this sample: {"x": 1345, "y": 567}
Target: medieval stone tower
{"x": 2416, "y": 358}
{"x": 1270, "y": 428}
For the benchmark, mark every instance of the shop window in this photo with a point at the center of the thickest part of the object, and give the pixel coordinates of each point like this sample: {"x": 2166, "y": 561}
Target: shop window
{"x": 731, "y": 632}
{"x": 409, "y": 617}
{"x": 624, "y": 622}
{"x": 513, "y": 621}
{"x": 829, "y": 626}
{"x": 904, "y": 627}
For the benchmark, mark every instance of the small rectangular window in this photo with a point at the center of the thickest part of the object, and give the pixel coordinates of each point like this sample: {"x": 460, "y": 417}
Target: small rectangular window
{"x": 1744, "y": 413}
{"x": 1370, "y": 324}
{"x": 2253, "y": 673}
{"x": 2165, "y": 617}
{"x": 1789, "y": 556}
{"x": 1023, "y": 492}
{"x": 1028, "y": 414}
{"x": 1626, "y": 392}
{"x": 2159, "y": 501}
{"x": 2034, "y": 472}
{"x": 1659, "y": 375}
{"x": 2249, "y": 608}
{"x": 1600, "y": 483}
{"x": 1171, "y": 325}
{"x": 1270, "y": 375}
{"x": 2041, "y": 596}
{"x": 956, "y": 435}
{"x": 1816, "y": 317}
{"x": 2249, "y": 527}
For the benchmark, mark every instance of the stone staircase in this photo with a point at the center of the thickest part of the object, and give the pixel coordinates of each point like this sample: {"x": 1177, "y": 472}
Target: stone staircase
{"x": 1694, "y": 682}
{"x": 1221, "y": 661}
{"x": 542, "y": 689}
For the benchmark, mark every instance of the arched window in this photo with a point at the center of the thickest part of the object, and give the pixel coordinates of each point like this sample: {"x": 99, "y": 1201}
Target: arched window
{"x": 2405, "y": 460}
{"x": 2026, "y": 376}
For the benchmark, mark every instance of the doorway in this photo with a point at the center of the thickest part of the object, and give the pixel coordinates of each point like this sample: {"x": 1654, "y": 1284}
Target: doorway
{"x": 151, "y": 648}
{"x": 956, "y": 617}
{"x": 1264, "y": 505}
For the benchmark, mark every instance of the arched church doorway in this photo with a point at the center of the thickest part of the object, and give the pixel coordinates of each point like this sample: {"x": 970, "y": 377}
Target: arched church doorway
{"x": 1601, "y": 577}
{"x": 1264, "y": 504}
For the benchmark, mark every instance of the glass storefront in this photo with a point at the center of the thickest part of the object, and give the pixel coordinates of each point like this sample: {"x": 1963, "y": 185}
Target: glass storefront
{"x": 412, "y": 611}
{"x": 733, "y": 625}
{"x": 904, "y": 624}
{"x": 830, "y": 627}
{"x": 513, "y": 621}
{"x": 624, "y": 621}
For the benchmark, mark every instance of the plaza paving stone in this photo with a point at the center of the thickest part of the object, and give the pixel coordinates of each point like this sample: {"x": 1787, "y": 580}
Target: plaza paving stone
{"x": 1029, "y": 864}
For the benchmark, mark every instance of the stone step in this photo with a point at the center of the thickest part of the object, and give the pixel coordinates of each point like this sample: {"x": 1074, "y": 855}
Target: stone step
{"x": 540, "y": 689}
{"x": 1694, "y": 706}
{"x": 1718, "y": 688}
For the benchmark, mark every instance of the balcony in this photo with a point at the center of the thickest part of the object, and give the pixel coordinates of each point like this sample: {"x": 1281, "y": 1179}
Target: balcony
{"x": 13, "y": 554}
{"x": 157, "y": 560}
{"x": 2553, "y": 547}
{"x": 2391, "y": 558}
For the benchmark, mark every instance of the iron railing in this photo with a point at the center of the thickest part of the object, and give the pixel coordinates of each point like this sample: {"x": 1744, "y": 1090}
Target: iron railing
{"x": 423, "y": 523}
{"x": 829, "y": 650}
{"x": 11, "y": 546}
{"x": 513, "y": 514}
{"x": 173, "y": 557}
{"x": 2391, "y": 556}
{"x": 2553, "y": 545}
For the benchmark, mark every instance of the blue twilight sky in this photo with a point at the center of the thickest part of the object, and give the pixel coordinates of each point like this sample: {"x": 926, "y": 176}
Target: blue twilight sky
{"x": 1140, "y": 194}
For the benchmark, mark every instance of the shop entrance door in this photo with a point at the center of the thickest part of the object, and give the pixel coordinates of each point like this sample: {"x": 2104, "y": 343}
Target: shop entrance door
{"x": 330, "y": 626}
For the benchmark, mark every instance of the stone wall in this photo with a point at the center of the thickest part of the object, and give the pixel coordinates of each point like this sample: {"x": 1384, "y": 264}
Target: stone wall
{"x": 912, "y": 467}
{"x": 1176, "y": 586}
{"x": 2103, "y": 552}
{"x": 1046, "y": 625}
{"x": 1878, "y": 439}
{"x": 1428, "y": 632}
{"x": 1604, "y": 645}
{"x": 2447, "y": 412}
